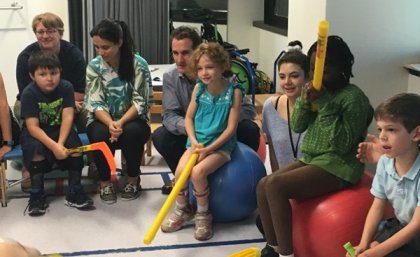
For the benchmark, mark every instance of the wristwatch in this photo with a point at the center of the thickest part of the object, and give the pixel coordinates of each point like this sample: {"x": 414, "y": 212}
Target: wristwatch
{"x": 9, "y": 143}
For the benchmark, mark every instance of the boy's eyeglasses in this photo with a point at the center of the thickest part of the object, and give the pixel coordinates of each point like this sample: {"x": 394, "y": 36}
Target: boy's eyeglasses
{"x": 48, "y": 32}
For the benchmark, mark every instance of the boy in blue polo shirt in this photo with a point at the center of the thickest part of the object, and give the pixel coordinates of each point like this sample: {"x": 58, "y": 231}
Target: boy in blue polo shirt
{"x": 396, "y": 181}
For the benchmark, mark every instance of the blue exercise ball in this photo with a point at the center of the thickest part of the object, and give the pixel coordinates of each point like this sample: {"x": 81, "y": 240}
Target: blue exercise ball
{"x": 233, "y": 186}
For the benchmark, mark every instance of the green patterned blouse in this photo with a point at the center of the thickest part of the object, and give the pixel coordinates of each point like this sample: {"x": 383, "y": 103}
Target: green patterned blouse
{"x": 334, "y": 131}
{"x": 105, "y": 91}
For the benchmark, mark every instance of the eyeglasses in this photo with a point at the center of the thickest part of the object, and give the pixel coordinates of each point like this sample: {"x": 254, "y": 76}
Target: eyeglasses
{"x": 49, "y": 32}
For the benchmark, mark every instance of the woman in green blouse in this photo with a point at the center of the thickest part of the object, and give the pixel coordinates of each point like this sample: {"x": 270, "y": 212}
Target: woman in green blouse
{"x": 336, "y": 119}
{"x": 117, "y": 89}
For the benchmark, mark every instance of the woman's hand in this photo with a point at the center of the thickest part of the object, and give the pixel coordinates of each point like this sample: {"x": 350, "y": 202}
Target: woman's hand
{"x": 370, "y": 151}
{"x": 115, "y": 129}
{"x": 311, "y": 94}
{"x": 78, "y": 106}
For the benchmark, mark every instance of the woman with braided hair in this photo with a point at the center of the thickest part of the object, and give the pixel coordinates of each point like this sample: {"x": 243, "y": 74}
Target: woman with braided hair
{"x": 335, "y": 119}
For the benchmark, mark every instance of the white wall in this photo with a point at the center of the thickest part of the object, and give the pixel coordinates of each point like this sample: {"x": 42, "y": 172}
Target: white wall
{"x": 240, "y": 32}
{"x": 383, "y": 35}
{"x": 13, "y": 41}
{"x": 304, "y": 18}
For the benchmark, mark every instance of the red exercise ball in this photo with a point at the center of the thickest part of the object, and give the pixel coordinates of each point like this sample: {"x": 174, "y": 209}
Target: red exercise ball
{"x": 262, "y": 148}
{"x": 322, "y": 225}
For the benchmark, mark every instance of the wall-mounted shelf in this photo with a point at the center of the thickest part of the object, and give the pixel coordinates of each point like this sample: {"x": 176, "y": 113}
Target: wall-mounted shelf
{"x": 13, "y": 14}
{"x": 13, "y": 6}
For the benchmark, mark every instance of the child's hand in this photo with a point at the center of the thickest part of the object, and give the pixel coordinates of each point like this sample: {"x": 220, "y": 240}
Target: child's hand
{"x": 311, "y": 94}
{"x": 358, "y": 250}
{"x": 195, "y": 145}
{"x": 203, "y": 152}
{"x": 60, "y": 152}
{"x": 369, "y": 152}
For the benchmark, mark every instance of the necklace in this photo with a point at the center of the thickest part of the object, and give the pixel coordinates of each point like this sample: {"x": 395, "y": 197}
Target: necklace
{"x": 294, "y": 148}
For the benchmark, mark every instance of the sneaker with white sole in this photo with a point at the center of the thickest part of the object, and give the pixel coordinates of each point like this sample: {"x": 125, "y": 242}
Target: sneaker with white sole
{"x": 78, "y": 200}
{"x": 130, "y": 191}
{"x": 108, "y": 194}
{"x": 177, "y": 218}
{"x": 37, "y": 205}
{"x": 203, "y": 226}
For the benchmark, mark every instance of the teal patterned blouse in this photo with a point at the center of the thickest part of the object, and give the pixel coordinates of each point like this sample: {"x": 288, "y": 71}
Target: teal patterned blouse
{"x": 105, "y": 91}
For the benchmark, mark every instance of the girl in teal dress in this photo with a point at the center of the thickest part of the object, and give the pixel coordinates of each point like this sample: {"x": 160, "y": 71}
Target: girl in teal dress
{"x": 211, "y": 121}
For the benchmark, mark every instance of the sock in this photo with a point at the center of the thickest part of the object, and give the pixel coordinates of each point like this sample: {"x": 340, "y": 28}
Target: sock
{"x": 180, "y": 205}
{"x": 275, "y": 247}
{"x": 37, "y": 169}
{"x": 202, "y": 208}
{"x": 75, "y": 180}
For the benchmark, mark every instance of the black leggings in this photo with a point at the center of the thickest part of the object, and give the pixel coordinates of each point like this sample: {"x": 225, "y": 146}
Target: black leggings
{"x": 131, "y": 142}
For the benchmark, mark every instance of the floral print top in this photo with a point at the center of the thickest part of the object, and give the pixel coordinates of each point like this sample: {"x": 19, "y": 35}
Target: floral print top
{"x": 107, "y": 92}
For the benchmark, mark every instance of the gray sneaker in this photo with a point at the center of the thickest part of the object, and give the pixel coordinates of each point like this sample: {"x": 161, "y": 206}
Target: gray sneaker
{"x": 203, "y": 226}
{"x": 130, "y": 191}
{"x": 178, "y": 218}
{"x": 108, "y": 194}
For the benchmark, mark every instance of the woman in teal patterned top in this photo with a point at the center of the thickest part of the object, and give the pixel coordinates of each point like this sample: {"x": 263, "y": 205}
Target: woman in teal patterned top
{"x": 211, "y": 120}
{"x": 336, "y": 119}
{"x": 116, "y": 97}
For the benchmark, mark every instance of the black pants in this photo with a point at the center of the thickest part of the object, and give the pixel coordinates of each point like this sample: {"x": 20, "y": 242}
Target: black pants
{"x": 392, "y": 226}
{"x": 171, "y": 146}
{"x": 131, "y": 142}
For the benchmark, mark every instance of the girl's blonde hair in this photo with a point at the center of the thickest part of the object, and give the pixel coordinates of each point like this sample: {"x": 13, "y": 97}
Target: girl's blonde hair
{"x": 215, "y": 52}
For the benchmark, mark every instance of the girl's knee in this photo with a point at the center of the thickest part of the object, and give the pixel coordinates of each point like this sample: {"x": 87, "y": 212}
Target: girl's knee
{"x": 198, "y": 175}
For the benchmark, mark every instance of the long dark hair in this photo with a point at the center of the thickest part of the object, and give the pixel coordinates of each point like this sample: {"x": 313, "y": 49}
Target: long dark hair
{"x": 113, "y": 31}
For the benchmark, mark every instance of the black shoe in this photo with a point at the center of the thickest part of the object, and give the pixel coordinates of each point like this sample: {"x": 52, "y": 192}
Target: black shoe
{"x": 167, "y": 188}
{"x": 37, "y": 205}
{"x": 79, "y": 200}
{"x": 268, "y": 251}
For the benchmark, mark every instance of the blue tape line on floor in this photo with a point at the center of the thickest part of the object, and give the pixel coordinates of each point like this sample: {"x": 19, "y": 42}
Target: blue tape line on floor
{"x": 164, "y": 247}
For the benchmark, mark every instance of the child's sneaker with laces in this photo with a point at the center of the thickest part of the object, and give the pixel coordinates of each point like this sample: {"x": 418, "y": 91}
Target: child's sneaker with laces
{"x": 78, "y": 199}
{"x": 108, "y": 194}
{"x": 37, "y": 205}
{"x": 130, "y": 191}
{"x": 177, "y": 219}
{"x": 203, "y": 226}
